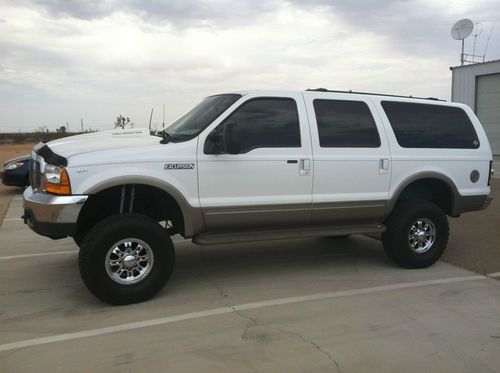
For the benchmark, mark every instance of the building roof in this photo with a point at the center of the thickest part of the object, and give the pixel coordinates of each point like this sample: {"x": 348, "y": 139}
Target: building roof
{"x": 473, "y": 64}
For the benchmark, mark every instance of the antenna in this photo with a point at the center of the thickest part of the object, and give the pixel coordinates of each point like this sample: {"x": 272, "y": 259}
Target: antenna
{"x": 460, "y": 30}
{"x": 163, "y": 125}
{"x": 478, "y": 29}
{"x": 488, "y": 42}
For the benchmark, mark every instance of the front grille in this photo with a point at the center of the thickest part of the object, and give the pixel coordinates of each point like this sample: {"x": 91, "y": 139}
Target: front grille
{"x": 35, "y": 174}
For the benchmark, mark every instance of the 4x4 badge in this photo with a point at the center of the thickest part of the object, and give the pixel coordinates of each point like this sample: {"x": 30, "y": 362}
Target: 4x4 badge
{"x": 178, "y": 166}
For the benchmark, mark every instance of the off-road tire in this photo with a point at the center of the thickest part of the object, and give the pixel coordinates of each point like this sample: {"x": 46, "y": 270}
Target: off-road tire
{"x": 395, "y": 238}
{"x": 108, "y": 232}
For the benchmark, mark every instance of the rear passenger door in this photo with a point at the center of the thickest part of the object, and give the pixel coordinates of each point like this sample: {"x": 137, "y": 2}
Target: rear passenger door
{"x": 352, "y": 162}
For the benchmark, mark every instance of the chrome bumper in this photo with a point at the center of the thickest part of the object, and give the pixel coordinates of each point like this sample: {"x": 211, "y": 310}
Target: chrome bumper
{"x": 50, "y": 215}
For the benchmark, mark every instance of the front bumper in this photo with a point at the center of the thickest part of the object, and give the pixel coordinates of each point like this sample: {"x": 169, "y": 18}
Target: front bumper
{"x": 51, "y": 215}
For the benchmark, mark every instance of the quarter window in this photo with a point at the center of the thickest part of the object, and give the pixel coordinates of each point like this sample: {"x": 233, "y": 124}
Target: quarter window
{"x": 345, "y": 124}
{"x": 430, "y": 126}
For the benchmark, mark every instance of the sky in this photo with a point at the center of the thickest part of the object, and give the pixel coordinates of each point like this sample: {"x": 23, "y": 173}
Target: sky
{"x": 61, "y": 61}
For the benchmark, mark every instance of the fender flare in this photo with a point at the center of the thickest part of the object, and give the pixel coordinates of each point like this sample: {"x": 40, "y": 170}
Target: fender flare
{"x": 455, "y": 195}
{"x": 192, "y": 216}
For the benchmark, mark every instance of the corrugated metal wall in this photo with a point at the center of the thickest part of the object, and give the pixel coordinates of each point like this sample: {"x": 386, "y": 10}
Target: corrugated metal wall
{"x": 463, "y": 86}
{"x": 465, "y": 81}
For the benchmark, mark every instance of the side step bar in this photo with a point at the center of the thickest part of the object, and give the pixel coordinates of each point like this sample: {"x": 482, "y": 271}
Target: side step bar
{"x": 226, "y": 237}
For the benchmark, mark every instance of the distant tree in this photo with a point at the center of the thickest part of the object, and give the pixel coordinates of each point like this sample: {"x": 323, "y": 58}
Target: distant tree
{"x": 42, "y": 129}
{"x": 61, "y": 129}
{"x": 122, "y": 121}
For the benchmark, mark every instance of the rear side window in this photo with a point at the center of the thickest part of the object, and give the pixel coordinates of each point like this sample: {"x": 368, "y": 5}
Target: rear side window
{"x": 345, "y": 124}
{"x": 430, "y": 126}
{"x": 265, "y": 123}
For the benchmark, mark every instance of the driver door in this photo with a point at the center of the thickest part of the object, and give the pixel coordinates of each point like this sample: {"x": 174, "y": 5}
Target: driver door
{"x": 267, "y": 182}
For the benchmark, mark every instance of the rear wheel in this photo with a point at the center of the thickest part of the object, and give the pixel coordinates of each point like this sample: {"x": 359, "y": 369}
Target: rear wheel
{"x": 126, "y": 259}
{"x": 417, "y": 234}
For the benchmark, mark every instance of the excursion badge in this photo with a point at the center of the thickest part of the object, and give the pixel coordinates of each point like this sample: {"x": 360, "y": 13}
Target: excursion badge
{"x": 178, "y": 166}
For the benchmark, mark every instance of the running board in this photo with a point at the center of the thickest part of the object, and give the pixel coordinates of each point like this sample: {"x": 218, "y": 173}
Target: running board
{"x": 226, "y": 237}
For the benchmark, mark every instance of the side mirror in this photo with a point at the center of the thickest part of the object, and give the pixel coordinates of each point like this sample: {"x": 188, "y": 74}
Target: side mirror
{"x": 231, "y": 144}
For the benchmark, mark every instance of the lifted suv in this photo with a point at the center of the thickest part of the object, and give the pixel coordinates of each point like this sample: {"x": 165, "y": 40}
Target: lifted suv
{"x": 260, "y": 165}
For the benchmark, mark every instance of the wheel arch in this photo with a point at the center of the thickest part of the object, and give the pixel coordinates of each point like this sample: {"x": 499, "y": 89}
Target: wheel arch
{"x": 429, "y": 179}
{"x": 191, "y": 216}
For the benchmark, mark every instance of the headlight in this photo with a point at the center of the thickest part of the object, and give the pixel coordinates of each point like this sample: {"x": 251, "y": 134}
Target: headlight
{"x": 13, "y": 165}
{"x": 56, "y": 180}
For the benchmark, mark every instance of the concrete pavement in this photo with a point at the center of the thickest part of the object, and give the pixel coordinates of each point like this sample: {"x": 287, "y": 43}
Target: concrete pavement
{"x": 302, "y": 305}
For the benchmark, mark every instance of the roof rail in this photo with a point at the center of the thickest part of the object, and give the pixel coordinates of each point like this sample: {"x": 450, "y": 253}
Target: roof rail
{"x": 373, "y": 94}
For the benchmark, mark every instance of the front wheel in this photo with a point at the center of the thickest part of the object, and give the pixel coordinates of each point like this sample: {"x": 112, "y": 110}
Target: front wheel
{"x": 126, "y": 259}
{"x": 417, "y": 234}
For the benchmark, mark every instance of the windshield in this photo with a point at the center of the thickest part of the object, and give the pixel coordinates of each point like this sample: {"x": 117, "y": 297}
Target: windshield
{"x": 198, "y": 118}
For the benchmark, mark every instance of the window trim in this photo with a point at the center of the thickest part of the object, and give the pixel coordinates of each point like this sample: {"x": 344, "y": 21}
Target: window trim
{"x": 259, "y": 98}
{"x": 347, "y": 147}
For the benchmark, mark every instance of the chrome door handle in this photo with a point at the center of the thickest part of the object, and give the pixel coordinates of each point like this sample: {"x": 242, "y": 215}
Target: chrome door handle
{"x": 305, "y": 167}
{"x": 384, "y": 164}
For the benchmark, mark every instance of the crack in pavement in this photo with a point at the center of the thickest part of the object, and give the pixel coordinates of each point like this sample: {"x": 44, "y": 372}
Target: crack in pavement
{"x": 252, "y": 321}
{"x": 319, "y": 348}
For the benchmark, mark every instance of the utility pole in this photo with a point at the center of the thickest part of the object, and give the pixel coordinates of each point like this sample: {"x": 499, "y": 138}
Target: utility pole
{"x": 150, "y": 119}
{"x": 81, "y": 121}
{"x": 163, "y": 125}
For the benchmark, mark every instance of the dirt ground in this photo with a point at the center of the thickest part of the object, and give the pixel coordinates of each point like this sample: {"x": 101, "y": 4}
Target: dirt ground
{"x": 475, "y": 237}
{"x": 6, "y": 193}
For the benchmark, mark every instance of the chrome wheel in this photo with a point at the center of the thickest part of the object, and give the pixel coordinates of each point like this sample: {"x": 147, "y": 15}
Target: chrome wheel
{"x": 422, "y": 235}
{"x": 129, "y": 261}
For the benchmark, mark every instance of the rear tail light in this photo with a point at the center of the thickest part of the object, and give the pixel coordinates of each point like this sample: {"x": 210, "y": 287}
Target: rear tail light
{"x": 490, "y": 175}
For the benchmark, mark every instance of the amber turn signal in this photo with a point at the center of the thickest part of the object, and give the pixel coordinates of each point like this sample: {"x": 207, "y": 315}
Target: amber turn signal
{"x": 64, "y": 187}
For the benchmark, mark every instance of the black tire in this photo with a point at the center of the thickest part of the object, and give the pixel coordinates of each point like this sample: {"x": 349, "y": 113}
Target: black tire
{"x": 396, "y": 237}
{"x": 79, "y": 236}
{"x": 103, "y": 236}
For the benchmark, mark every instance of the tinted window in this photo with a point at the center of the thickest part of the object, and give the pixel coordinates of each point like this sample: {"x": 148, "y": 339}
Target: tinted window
{"x": 345, "y": 124}
{"x": 430, "y": 126}
{"x": 264, "y": 123}
{"x": 199, "y": 117}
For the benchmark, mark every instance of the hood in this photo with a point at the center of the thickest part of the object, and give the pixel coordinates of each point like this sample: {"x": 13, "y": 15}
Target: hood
{"x": 22, "y": 158}
{"x": 106, "y": 140}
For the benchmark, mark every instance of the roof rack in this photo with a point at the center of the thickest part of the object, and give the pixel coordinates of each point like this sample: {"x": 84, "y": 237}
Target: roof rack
{"x": 373, "y": 94}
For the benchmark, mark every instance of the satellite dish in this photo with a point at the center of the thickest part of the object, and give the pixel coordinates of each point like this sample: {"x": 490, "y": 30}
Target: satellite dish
{"x": 462, "y": 28}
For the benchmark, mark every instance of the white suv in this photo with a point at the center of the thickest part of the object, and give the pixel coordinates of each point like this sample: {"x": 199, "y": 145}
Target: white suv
{"x": 260, "y": 165}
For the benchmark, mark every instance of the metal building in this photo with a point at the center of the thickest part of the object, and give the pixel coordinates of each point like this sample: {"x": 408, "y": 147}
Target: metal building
{"x": 478, "y": 86}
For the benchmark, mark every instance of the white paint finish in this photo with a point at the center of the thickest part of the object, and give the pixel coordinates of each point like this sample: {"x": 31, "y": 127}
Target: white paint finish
{"x": 261, "y": 176}
{"x": 230, "y": 309}
{"x": 456, "y": 164}
{"x": 138, "y": 161}
{"x": 348, "y": 174}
